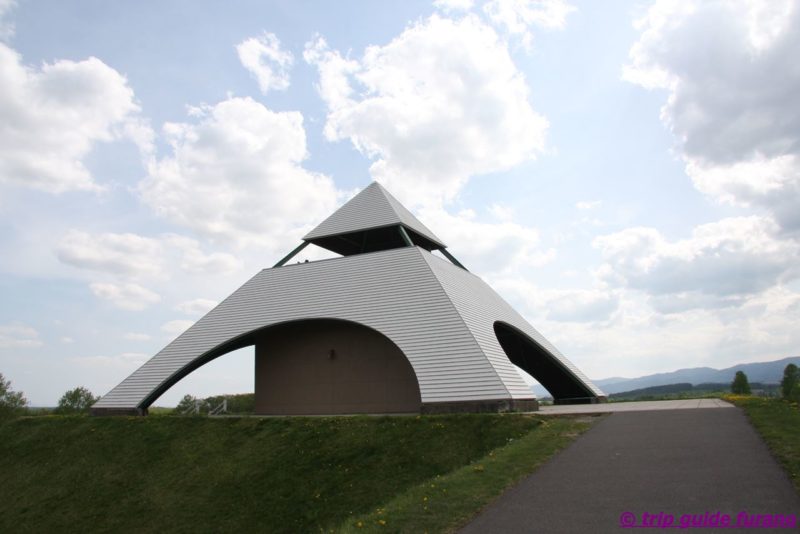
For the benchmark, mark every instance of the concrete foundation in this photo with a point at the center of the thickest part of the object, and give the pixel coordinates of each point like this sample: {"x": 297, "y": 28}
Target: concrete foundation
{"x": 118, "y": 411}
{"x": 485, "y": 406}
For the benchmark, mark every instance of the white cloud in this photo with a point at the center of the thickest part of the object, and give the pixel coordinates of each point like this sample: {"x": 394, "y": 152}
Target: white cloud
{"x": 124, "y": 254}
{"x": 588, "y": 204}
{"x": 266, "y": 60}
{"x": 17, "y": 335}
{"x": 485, "y": 247}
{"x": 196, "y": 306}
{"x": 732, "y": 108}
{"x": 453, "y": 5}
{"x": 518, "y": 16}
{"x": 772, "y": 184}
{"x": 126, "y": 296}
{"x": 195, "y": 261}
{"x": 136, "y": 336}
{"x": 334, "y": 76}
{"x": 720, "y": 264}
{"x": 53, "y": 116}
{"x": 638, "y": 340}
{"x": 67, "y": 340}
{"x": 176, "y": 327}
{"x": 441, "y": 102}
{"x": 501, "y": 212}
{"x": 607, "y": 331}
{"x": 558, "y": 305}
{"x": 133, "y": 256}
{"x": 235, "y": 175}
{"x": 578, "y": 305}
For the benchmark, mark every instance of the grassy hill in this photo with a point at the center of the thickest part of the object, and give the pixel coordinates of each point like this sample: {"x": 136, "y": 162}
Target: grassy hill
{"x": 252, "y": 474}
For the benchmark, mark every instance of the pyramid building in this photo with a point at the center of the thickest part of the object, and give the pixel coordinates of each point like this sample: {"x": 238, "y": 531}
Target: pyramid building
{"x": 388, "y": 327}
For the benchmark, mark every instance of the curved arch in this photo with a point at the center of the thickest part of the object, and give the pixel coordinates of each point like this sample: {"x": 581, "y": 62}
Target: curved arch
{"x": 237, "y": 343}
{"x": 535, "y": 360}
{"x": 251, "y": 338}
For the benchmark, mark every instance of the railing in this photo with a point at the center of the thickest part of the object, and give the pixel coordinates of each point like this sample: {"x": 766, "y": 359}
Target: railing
{"x": 198, "y": 406}
{"x": 222, "y": 408}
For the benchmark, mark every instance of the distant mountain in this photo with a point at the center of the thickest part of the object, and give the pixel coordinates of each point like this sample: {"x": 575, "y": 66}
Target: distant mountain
{"x": 677, "y": 390}
{"x": 765, "y": 372}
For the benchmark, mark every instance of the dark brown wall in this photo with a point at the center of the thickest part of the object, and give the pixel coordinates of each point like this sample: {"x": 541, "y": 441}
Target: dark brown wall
{"x": 296, "y": 375}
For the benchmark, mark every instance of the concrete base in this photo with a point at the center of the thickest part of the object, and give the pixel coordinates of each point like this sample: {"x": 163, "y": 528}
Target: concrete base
{"x": 102, "y": 412}
{"x": 484, "y": 406}
{"x": 582, "y": 400}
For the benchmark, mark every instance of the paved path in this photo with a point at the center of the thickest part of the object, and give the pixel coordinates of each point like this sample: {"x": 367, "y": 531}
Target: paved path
{"x": 672, "y": 461}
{"x": 640, "y": 406}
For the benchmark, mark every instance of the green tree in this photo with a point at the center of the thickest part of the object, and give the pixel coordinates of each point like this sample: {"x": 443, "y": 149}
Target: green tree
{"x": 740, "y": 385}
{"x": 11, "y": 402}
{"x": 791, "y": 380}
{"x": 78, "y": 400}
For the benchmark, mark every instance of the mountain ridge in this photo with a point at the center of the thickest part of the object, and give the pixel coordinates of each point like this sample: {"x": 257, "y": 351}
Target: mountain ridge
{"x": 766, "y": 372}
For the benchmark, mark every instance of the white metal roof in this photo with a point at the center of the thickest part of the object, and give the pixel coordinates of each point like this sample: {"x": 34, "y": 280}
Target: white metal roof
{"x": 439, "y": 315}
{"x": 374, "y": 207}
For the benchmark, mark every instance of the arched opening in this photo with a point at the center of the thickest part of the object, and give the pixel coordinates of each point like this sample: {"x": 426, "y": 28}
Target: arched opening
{"x": 229, "y": 374}
{"x": 324, "y": 366}
{"x": 532, "y": 358}
{"x": 319, "y": 367}
{"x": 232, "y": 345}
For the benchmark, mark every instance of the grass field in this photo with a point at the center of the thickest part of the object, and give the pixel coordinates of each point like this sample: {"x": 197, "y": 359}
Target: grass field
{"x": 778, "y": 423}
{"x": 262, "y": 474}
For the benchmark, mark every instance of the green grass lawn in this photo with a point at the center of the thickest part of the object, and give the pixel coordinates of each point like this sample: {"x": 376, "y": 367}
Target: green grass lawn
{"x": 778, "y": 422}
{"x": 260, "y": 474}
{"x": 444, "y": 503}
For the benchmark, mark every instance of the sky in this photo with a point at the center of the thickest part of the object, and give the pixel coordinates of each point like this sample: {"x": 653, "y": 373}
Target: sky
{"x": 626, "y": 174}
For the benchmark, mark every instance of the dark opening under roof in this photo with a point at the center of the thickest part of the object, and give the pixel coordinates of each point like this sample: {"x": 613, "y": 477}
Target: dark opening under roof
{"x": 372, "y": 240}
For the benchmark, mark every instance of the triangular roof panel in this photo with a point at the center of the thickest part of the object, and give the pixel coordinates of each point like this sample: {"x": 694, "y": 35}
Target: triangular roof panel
{"x": 374, "y": 207}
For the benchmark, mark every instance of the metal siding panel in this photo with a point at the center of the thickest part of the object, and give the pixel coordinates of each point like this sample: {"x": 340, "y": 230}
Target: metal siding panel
{"x": 394, "y": 292}
{"x": 481, "y": 306}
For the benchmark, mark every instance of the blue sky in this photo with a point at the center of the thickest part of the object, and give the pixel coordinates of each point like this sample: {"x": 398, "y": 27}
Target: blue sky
{"x": 626, "y": 174}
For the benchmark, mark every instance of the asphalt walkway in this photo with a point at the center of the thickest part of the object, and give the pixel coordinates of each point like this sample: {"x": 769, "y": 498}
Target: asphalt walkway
{"x": 699, "y": 462}
{"x": 639, "y": 406}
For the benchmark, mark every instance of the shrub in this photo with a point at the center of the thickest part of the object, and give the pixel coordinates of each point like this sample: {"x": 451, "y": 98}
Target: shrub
{"x": 78, "y": 400}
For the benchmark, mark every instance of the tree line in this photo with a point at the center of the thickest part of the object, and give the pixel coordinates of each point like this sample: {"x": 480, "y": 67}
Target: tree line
{"x": 790, "y": 384}
{"x": 75, "y": 401}
{"x": 79, "y": 400}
